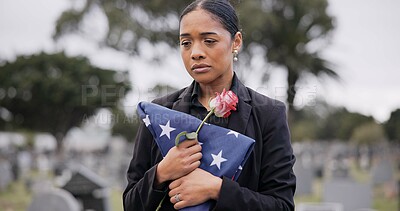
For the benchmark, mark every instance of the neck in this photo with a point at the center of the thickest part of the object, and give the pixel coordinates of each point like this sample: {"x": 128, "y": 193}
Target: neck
{"x": 208, "y": 91}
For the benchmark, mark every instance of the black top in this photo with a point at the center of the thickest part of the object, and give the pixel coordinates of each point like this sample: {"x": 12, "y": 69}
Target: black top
{"x": 199, "y": 111}
{"x": 267, "y": 181}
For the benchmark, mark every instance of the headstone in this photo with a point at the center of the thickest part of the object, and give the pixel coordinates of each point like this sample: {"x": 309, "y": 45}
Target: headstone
{"x": 364, "y": 157}
{"x": 350, "y": 194}
{"x": 319, "y": 207}
{"x": 43, "y": 163}
{"x": 39, "y": 185}
{"x": 6, "y": 176}
{"x": 24, "y": 162}
{"x": 382, "y": 172}
{"x": 339, "y": 168}
{"x": 54, "y": 200}
{"x": 44, "y": 142}
{"x": 304, "y": 176}
{"x": 319, "y": 159}
{"x": 116, "y": 163}
{"x": 89, "y": 188}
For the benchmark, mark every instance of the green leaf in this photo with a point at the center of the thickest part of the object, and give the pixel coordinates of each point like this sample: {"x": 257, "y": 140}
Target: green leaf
{"x": 179, "y": 136}
{"x": 191, "y": 136}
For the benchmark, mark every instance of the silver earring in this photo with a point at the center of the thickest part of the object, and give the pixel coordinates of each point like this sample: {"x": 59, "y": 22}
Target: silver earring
{"x": 235, "y": 54}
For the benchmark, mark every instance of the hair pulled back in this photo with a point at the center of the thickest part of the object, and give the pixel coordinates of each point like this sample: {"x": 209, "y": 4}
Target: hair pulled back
{"x": 221, "y": 9}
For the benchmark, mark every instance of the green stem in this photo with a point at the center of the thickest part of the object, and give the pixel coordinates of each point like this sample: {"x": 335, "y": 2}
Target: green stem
{"x": 159, "y": 205}
{"x": 204, "y": 120}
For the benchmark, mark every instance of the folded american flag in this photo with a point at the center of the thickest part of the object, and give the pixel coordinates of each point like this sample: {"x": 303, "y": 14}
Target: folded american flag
{"x": 224, "y": 151}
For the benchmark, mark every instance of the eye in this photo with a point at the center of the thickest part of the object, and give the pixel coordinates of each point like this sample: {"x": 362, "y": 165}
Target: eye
{"x": 185, "y": 43}
{"x": 210, "y": 41}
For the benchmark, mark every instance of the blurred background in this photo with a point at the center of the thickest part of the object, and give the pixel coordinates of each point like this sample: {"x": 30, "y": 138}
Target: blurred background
{"x": 73, "y": 71}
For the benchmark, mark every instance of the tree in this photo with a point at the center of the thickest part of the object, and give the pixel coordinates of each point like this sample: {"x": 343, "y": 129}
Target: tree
{"x": 392, "y": 126}
{"x": 368, "y": 134}
{"x": 288, "y": 30}
{"x": 307, "y": 125}
{"x": 124, "y": 125}
{"x": 324, "y": 122}
{"x": 53, "y": 93}
{"x": 340, "y": 124}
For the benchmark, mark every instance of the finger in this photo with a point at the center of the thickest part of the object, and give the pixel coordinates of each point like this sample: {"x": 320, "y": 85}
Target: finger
{"x": 179, "y": 205}
{"x": 194, "y": 165}
{"x": 188, "y": 143}
{"x": 174, "y": 184}
{"x": 174, "y": 191}
{"x": 174, "y": 200}
{"x": 194, "y": 149}
{"x": 195, "y": 157}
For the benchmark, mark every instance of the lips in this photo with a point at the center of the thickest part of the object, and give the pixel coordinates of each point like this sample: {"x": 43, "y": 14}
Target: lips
{"x": 201, "y": 68}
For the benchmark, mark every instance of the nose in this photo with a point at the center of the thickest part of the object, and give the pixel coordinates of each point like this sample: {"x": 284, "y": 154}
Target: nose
{"x": 197, "y": 52}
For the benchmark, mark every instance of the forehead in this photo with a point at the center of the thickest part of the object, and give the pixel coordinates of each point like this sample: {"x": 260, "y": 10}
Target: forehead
{"x": 200, "y": 20}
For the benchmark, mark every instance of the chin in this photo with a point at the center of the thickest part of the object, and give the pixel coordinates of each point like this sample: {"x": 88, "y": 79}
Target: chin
{"x": 205, "y": 79}
{"x": 202, "y": 78}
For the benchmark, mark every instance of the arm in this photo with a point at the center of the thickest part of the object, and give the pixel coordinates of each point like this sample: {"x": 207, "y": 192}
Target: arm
{"x": 141, "y": 194}
{"x": 147, "y": 178}
{"x": 276, "y": 183}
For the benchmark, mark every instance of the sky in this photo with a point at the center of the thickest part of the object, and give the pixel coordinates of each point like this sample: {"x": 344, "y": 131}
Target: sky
{"x": 364, "y": 50}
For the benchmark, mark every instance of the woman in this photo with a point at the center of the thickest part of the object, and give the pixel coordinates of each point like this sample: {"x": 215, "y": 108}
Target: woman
{"x": 210, "y": 39}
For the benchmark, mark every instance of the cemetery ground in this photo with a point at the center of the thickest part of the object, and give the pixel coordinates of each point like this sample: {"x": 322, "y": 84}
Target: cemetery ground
{"x": 380, "y": 201}
{"x": 17, "y": 197}
{"x": 383, "y": 200}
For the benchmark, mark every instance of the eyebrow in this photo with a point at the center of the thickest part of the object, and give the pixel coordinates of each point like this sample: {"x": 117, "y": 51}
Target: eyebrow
{"x": 202, "y": 34}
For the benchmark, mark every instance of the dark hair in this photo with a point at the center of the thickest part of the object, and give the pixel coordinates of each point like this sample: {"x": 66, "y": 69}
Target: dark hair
{"x": 221, "y": 9}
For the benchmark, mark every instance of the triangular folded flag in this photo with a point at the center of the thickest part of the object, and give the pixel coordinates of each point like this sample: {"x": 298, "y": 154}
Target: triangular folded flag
{"x": 224, "y": 151}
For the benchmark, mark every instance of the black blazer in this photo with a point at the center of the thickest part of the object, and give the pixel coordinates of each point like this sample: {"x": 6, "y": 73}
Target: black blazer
{"x": 267, "y": 181}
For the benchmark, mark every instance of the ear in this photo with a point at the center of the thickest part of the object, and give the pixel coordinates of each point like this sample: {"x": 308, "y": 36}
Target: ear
{"x": 237, "y": 41}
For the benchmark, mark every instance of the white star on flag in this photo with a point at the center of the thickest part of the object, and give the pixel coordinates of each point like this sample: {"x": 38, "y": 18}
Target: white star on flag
{"x": 218, "y": 159}
{"x": 233, "y": 132}
{"x": 166, "y": 130}
{"x": 147, "y": 121}
{"x": 240, "y": 167}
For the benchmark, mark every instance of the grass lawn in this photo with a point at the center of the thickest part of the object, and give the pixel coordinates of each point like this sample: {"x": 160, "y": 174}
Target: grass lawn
{"x": 15, "y": 198}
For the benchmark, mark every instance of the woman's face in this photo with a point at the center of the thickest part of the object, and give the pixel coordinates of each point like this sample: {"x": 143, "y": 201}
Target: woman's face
{"x": 206, "y": 48}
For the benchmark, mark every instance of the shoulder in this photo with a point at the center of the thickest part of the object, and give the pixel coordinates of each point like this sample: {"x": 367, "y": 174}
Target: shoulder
{"x": 264, "y": 103}
{"x": 269, "y": 112}
{"x": 256, "y": 100}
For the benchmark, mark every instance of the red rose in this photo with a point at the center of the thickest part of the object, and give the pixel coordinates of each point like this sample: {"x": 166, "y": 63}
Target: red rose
{"x": 224, "y": 103}
{"x": 221, "y": 106}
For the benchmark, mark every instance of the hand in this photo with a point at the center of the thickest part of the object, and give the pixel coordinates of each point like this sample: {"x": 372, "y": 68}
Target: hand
{"x": 195, "y": 188}
{"x": 179, "y": 161}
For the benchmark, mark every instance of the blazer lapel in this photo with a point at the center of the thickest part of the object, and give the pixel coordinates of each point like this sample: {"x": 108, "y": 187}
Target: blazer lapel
{"x": 239, "y": 119}
{"x": 183, "y": 102}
